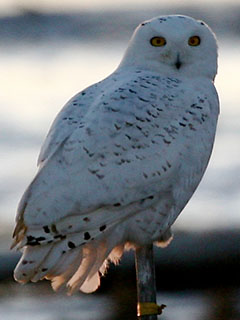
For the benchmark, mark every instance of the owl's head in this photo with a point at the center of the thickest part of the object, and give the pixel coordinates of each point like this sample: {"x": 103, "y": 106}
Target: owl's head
{"x": 173, "y": 45}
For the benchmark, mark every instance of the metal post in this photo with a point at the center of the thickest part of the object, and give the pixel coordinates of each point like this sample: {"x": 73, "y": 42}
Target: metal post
{"x": 146, "y": 285}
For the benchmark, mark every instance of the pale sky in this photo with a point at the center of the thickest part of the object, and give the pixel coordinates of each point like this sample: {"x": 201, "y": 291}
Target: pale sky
{"x": 10, "y": 6}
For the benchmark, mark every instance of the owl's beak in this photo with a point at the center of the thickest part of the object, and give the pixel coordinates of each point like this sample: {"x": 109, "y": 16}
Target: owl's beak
{"x": 178, "y": 62}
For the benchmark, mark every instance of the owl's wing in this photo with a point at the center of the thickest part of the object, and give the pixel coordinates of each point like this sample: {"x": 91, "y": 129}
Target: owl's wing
{"x": 133, "y": 143}
{"x": 69, "y": 118}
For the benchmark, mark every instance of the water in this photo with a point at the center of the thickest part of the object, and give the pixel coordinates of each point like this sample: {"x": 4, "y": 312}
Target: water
{"x": 37, "y": 301}
{"x": 36, "y": 79}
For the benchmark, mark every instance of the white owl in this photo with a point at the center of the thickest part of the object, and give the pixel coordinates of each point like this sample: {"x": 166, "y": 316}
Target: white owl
{"x": 122, "y": 158}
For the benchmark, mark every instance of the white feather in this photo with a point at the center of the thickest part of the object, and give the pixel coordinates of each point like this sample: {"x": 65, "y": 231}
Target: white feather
{"x": 30, "y": 261}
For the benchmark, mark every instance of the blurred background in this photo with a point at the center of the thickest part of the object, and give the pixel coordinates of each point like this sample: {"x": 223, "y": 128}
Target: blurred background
{"x": 50, "y": 50}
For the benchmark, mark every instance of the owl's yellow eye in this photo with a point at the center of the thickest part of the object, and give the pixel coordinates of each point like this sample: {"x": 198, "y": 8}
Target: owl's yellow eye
{"x": 194, "y": 41}
{"x": 158, "y": 41}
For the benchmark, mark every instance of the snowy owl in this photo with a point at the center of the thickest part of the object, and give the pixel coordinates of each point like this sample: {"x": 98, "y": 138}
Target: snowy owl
{"x": 122, "y": 158}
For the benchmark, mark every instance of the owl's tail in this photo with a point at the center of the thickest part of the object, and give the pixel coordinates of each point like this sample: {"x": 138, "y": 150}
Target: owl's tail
{"x": 77, "y": 268}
